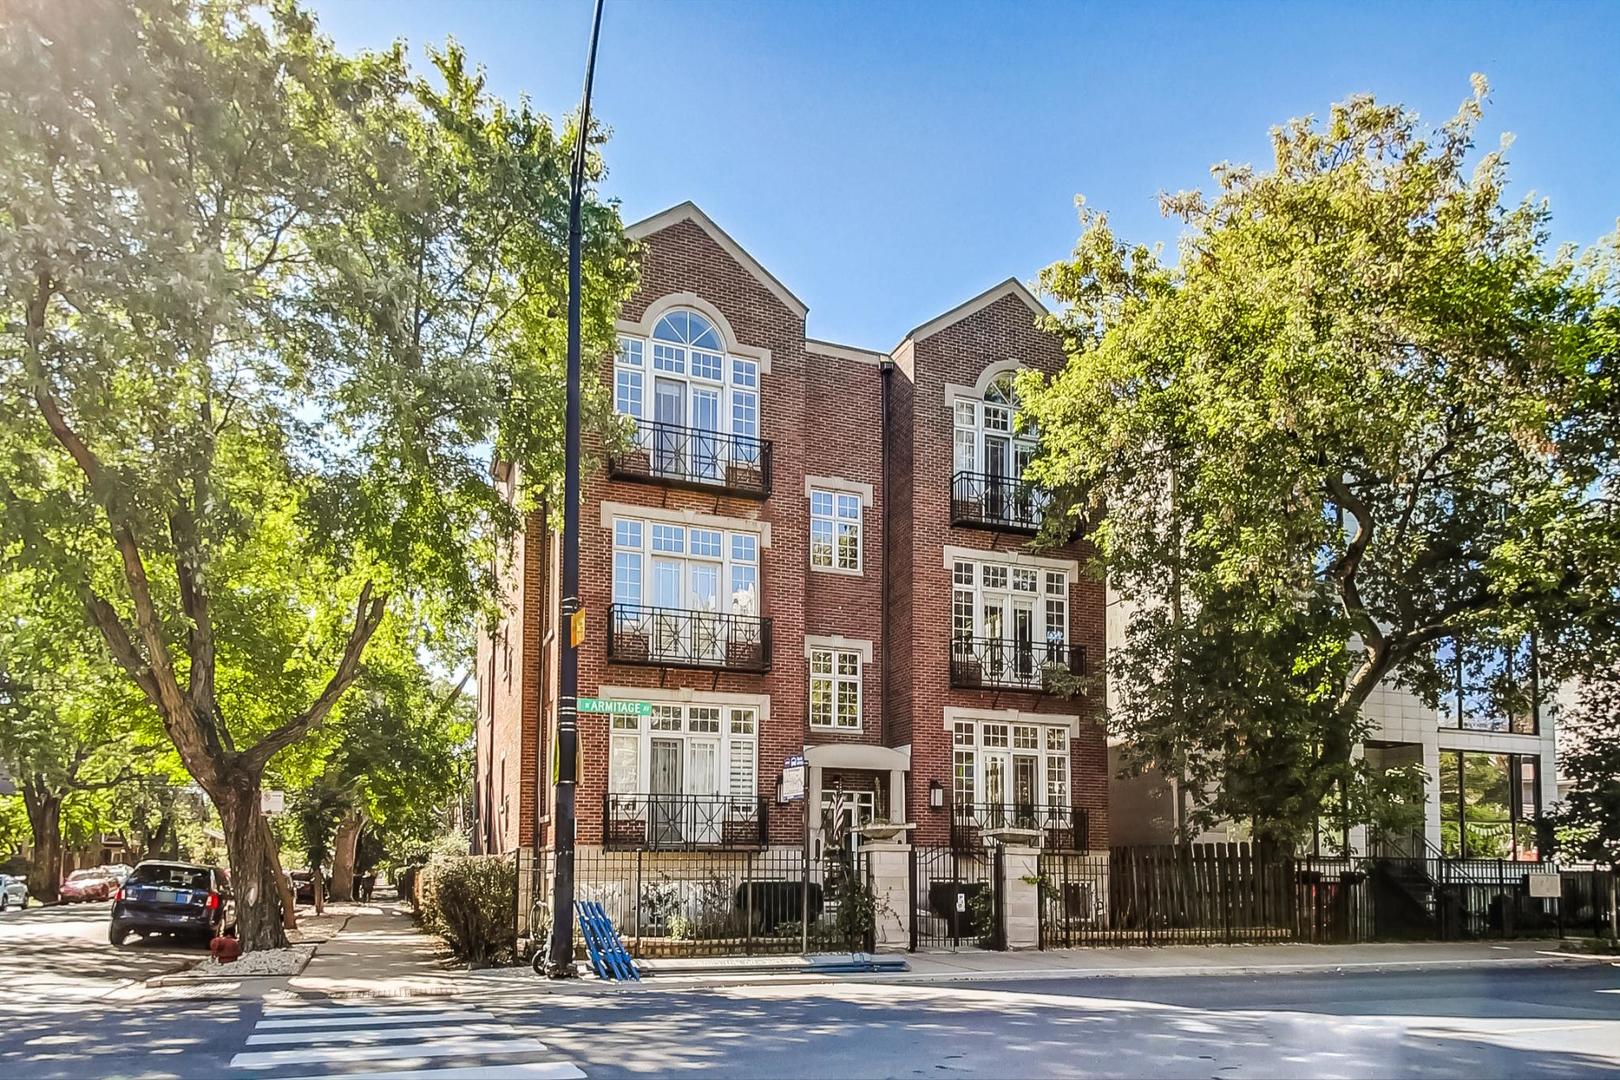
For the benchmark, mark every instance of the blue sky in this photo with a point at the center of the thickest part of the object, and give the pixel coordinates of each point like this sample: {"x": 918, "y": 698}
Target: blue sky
{"x": 889, "y": 160}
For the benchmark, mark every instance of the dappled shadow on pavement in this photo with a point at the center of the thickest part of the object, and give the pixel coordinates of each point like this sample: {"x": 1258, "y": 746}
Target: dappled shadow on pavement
{"x": 185, "y": 1037}
{"x": 1081, "y": 1028}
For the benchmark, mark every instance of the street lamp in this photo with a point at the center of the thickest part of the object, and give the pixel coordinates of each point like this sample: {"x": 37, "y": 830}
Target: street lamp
{"x": 560, "y": 955}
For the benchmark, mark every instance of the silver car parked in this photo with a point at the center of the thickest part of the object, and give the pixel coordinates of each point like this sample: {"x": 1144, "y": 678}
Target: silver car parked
{"x": 13, "y": 890}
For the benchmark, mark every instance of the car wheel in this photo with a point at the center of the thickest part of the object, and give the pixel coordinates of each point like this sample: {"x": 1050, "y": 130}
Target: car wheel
{"x": 5, "y": 901}
{"x": 117, "y": 934}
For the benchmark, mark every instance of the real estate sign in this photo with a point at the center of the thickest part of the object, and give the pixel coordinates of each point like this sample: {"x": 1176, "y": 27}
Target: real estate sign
{"x": 792, "y": 779}
{"x": 614, "y": 707}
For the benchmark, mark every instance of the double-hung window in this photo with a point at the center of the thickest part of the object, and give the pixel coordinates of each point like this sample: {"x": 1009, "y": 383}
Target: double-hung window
{"x": 835, "y": 689}
{"x": 835, "y": 531}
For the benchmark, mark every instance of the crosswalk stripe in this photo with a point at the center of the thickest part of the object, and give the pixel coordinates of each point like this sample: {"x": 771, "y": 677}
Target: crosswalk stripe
{"x": 464, "y": 1047}
{"x": 284, "y": 1038}
{"x": 532, "y": 1070}
{"x": 366, "y": 1008}
{"x": 326, "y": 1019}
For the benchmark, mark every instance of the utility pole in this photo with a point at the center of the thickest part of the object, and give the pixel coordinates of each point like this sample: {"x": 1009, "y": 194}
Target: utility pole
{"x": 561, "y": 953}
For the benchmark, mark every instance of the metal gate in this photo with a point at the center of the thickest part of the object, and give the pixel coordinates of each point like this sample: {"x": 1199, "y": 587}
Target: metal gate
{"x": 956, "y": 898}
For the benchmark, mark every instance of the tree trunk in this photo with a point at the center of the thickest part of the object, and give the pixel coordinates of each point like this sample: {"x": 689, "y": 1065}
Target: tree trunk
{"x": 45, "y": 822}
{"x": 1614, "y": 907}
{"x": 343, "y": 853}
{"x": 317, "y": 882}
{"x": 272, "y": 854}
{"x": 258, "y": 895}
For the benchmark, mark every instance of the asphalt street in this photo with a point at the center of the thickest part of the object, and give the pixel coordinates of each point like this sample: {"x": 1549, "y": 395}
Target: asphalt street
{"x": 69, "y": 1008}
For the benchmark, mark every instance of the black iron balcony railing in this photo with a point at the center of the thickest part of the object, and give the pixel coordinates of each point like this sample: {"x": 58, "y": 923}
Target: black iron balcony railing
{"x": 692, "y": 457}
{"x": 987, "y": 501}
{"x": 980, "y": 663}
{"x": 678, "y": 637}
{"x": 682, "y": 822}
{"x": 1058, "y": 827}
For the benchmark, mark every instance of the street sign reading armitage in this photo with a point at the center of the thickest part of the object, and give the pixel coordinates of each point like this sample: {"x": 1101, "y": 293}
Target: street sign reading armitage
{"x": 614, "y": 707}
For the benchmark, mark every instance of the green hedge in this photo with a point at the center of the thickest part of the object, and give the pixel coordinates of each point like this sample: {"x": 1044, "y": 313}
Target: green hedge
{"x": 470, "y": 902}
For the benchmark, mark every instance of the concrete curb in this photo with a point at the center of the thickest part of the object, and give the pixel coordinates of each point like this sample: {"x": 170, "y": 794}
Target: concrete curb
{"x": 923, "y": 978}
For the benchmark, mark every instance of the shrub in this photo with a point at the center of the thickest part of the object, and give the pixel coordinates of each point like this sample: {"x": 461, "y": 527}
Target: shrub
{"x": 469, "y": 901}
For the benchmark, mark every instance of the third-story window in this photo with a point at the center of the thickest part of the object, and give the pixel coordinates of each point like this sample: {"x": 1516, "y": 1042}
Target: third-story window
{"x": 835, "y": 689}
{"x": 835, "y": 531}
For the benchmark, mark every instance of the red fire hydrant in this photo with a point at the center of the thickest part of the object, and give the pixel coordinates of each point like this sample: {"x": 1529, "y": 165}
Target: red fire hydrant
{"x": 225, "y": 950}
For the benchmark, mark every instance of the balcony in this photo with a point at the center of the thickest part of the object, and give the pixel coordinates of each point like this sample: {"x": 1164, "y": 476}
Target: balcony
{"x": 1061, "y": 828}
{"x": 650, "y": 822}
{"x": 695, "y": 458}
{"x": 678, "y": 637}
{"x": 981, "y": 663}
{"x": 1004, "y": 503}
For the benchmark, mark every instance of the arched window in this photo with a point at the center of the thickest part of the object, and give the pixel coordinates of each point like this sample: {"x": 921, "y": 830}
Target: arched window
{"x": 697, "y": 409}
{"x": 985, "y": 442}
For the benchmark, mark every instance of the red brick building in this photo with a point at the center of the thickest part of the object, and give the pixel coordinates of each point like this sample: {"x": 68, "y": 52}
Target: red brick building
{"x": 806, "y": 549}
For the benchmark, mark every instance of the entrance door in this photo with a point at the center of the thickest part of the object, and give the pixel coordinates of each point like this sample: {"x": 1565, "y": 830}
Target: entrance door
{"x": 1025, "y": 791}
{"x": 704, "y": 821}
{"x": 1024, "y": 661}
{"x": 664, "y": 793}
{"x": 706, "y": 456}
{"x": 669, "y": 426}
{"x": 998, "y": 471}
{"x": 996, "y": 766}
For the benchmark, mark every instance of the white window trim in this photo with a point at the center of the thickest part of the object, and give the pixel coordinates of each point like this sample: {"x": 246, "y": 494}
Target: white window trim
{"x": 1070, "y": 567}
{"x": 859, "y": 679}
{"x": 670, "y": 302}
{"x": 954, "y": 714}
{"x": 1036, "y": 601}
{"x": 836, "y": 487}
{"x": 726, "y": 598}
{"x": 723, "y": 738}
{"x": 840, "y": 643}
{"x": 982, "y": 753}
{"x": 670, "y": 516}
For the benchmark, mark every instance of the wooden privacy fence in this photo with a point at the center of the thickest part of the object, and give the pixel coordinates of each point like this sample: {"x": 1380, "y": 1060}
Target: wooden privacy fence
{"x": 1197, "y": 894}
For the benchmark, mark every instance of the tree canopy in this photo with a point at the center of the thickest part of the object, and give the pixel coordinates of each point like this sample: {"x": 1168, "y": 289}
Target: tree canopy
{"x": 1367, "y": 412}
{"x": 268, "y": 310}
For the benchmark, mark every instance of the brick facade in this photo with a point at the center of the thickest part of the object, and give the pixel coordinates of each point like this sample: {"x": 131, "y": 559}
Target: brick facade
{"x": 869, "y": 422}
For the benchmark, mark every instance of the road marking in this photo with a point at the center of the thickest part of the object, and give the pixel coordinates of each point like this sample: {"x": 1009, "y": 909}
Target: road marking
{"x": 283, "y": 1038}
{"x": 330, "y": 1020}
{"x": 445, "y": 1047}
{"x": 342, "y": 1038}
{"x": 531, "y": 1070}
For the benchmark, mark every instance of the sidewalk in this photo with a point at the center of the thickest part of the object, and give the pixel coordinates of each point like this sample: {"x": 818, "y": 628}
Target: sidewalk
{"x": 379, "y": 953}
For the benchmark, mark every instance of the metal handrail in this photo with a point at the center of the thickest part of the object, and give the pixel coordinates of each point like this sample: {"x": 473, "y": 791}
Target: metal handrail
{"x": 987, "y": 500}
{"x": 1008, "y": 664}
{"x": 681, "y": 637}
{"x": 695, "y": 457}
{"x": 667, "y": 822}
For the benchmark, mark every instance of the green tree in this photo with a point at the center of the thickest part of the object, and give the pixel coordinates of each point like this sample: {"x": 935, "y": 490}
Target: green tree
{"x": 268, "y": 310}
{"x": 71, "y": 726}
{"x": 1366, "y": 393}
{"x": 1587, "y": 823}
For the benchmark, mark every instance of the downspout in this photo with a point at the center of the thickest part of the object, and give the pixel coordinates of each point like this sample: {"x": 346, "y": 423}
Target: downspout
{"x": 885, "y": 373}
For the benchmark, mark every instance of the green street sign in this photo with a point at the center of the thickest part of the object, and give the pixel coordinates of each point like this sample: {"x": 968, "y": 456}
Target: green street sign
{"x": 615, "y": 708}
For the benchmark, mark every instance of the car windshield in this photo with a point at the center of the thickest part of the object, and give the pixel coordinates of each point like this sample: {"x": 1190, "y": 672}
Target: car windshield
{"x": 86, "y": 875}
{"x": 170, "y": 877}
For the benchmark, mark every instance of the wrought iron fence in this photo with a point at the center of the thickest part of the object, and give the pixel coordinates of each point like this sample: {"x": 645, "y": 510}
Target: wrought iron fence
{"x": 986, "y": 500}
{"x": 693, "y": 457}
{"x": 1055, "y": 826}
{"x": 958, "y": 898}
{"x": 679, "y": 637}
{"x": 665, "y": 822}
{"x": 1008, "y": 664}
{"x": 710, "y": 903}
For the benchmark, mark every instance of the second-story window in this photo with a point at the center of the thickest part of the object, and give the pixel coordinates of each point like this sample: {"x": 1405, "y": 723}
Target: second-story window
{"x": 835, "y": 689}
{"x": 835, "y": 531}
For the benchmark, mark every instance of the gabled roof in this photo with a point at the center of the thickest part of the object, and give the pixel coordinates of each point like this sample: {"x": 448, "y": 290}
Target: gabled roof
{"x": 1010, "y": 287}
{"x": 688, "y": 211}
